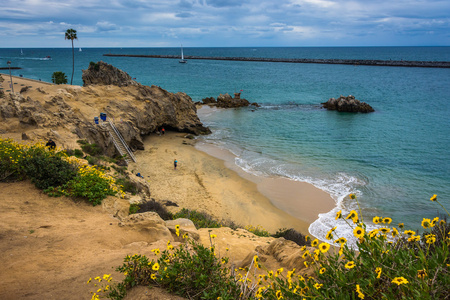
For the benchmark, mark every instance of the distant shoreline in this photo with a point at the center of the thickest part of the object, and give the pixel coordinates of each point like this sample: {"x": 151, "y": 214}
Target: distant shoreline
{"x": 362, "y": 62}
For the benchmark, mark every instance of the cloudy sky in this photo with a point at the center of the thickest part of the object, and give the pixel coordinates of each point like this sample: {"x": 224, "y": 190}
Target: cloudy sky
{"x": 223, "y": 23}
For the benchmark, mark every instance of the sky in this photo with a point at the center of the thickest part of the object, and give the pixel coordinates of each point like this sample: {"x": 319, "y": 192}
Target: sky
{"x": 224, "y": 23}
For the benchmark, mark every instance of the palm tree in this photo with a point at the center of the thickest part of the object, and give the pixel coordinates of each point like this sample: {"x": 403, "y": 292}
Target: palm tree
{"x": 71, "y": 34}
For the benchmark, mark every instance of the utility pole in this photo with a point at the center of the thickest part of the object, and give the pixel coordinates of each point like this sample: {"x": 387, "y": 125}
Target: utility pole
{"x": 12, "y": 85}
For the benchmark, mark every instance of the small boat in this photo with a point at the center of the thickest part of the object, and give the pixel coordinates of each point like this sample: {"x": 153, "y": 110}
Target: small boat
{"x": 79, "y": 50}
{"x": 21, "y": 52}
{"x": 182, "y": 60}
{"x": 48, "y": 57}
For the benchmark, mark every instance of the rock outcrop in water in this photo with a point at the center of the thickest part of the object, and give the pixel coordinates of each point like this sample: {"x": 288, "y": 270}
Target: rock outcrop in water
{"x": 66, "y": 113}
{"x": 347, "y": 104}
{"x": 226, "y": 101}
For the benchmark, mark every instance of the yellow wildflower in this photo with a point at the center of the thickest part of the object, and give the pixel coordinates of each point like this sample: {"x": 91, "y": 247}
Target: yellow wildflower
{"x": 433, "y": 198}
{"x": 377, "y": 220}
{"x": 315, "y": 243}
{"x": 401, "y": 225}
{"x": 350, "y": 265}
{"x": 410, "y": 232}
{"x": 322, "y": 270}
{"x": 324, "y": 247}
{"x": 387, "y": 220}
{"x": 421, "y": 274}
{"x": 318, "y": 286}
{"x": 426, "y": 223}
{"x": 339, "y": 214}
{"x": 360, "y": 293}
{"x": 400, "y": 280}
{"x": 341, "y": 240}
{"x": 378, "y": 271}
{"x": 394, "y": 232}
{"x": 358, "y": 232}
{"x": 155, "y": 267}
{"x": 352, "y": 196}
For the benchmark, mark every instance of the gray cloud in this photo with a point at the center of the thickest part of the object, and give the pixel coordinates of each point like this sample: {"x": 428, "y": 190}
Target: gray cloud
{"x": 226, "y": 22}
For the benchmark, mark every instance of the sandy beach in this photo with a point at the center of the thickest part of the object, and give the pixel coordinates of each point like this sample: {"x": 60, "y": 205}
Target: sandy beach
{"x": 210, "y": 183}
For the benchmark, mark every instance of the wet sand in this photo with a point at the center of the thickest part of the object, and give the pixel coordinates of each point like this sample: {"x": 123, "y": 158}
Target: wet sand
{"x": 210, "y": 182}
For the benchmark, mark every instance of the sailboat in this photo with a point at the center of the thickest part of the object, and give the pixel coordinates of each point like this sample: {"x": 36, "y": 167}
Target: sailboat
{"x": 21, "y": 52}
{"x": 79, "y": 49}
{"x": 182, "y": 60}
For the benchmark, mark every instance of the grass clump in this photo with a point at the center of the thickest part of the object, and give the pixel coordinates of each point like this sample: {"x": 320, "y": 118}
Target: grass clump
{"x": 200, "y": 219}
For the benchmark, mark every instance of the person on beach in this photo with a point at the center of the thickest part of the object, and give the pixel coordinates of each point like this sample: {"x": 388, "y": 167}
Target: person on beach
{"x": 163, "y": 131}
{"x": 175, "y": 162}
{"x": 50, "y": 144}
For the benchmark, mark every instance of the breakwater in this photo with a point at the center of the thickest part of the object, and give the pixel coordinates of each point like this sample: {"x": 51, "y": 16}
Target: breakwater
{"x": 362, "y": 62}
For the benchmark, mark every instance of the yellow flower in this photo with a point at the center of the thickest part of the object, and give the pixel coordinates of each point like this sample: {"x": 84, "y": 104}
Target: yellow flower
{"x": 378, "y": 271}
{"x": 153, "y": 276}
{"x": 426, "y": 223}
{"x": 401, "y": 225}
{"x": 431, "y": 238}
{"x": 352, "y": 215}
{"x": 341, "y": 240}
{"x": 350, "y": 265}
{"x": 315, "y": 243}
{"x": 387, "y": 220}
{"x": 329, "y": 235}
{"x": 414, "y": 238}
{"x": 400, "y": 280}
{"x": 385, "y": 230}
{"x": 410, "y": 232}
{"x": 394, "y": 232}
{"x": 434, "y": 221}
{"x": 358, "y": 232}
{"x": 433, "y": 198}
{"x": 352, "y": 196}
{"x": 155, "y": 267}
{"x": 90, "y": 279}
{"x": 156, "y": 251}
{"x": 318, "y": 286}
{"x": 324, "y": 247}
{"x": 279, "y": 294}
{"x": 322, "y": 270}
{"x": 279, "y": 271}
{"x": 360, "y": 293}
{"x": 421, "y": 274}
{"x": 213, "y": 236}
{"x": 305, "y": 255}
{"x": 339, "y": 214}
{"x": 377, "y": 220}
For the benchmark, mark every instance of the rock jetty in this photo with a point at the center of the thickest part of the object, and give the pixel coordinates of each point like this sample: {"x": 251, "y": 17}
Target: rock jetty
{"x": 347, "y": 104}
{"x": 356, "y": 62}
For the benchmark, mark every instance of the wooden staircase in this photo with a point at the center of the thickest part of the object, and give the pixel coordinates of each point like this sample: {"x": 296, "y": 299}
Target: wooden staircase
{"x": 119, "y": 142}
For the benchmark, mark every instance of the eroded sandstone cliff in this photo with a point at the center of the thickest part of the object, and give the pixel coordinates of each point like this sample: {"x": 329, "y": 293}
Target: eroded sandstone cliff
{"x": 66, "y": 113}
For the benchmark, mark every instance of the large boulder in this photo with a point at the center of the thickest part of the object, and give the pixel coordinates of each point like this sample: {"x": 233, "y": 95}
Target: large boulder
{"x": 347, "y": 104}
{"x": 226, "y": 101}
{"x": 101, "y": 73}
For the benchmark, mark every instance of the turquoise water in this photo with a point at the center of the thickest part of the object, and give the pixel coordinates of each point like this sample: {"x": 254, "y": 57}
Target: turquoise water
{"x": 394, "y": 159}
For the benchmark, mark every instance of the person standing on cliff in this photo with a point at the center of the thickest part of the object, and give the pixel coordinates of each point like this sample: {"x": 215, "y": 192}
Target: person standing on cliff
{"x": 163, "y": 131}
{"x": 175, "y": 162}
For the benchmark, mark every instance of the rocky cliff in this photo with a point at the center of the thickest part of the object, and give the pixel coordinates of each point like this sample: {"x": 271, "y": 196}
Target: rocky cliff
{"x": 66, "y": 113}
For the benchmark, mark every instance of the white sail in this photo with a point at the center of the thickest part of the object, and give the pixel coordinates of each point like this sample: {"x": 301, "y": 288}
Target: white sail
{"x": 182, "y": 60}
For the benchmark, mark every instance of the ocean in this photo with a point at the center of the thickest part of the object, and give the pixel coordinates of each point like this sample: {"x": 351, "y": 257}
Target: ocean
{"x": 394, "y": 159}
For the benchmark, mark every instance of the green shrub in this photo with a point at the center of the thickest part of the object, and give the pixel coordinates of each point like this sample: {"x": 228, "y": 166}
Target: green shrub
{"x": 292, "y": 235}
{"x": 190, "y": 270}
{"x": 91, "y": 149}
{"x": 77, "y": 153}
{"x": 200, "y": 219}
{"x": 46, "y": 170}
{"x": 258, "y": 230}
{"x": 128, "y": 185}
{"x": 155, "y": 207}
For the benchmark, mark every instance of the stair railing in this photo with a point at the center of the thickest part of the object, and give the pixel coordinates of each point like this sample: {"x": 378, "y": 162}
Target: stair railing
{"x": 130, "y": 153}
